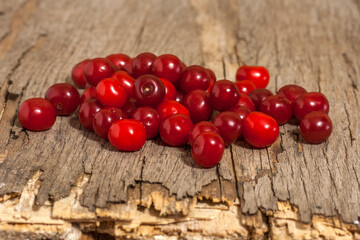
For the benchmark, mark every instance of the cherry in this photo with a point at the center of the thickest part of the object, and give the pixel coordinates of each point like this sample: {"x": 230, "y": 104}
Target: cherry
{"x": 310, "y": 102}
{"x": 259, "y": 95}
{"x": 130, "y": 107}
{"x": 88, "y": 93}
{"x": 246, "y": 101}
{"x": 87, "y": 112}
{"x": 104, "y": 118}
{"x": 36, "y": 114}
{"x": 179, "y": 96}
{"x": 119, "y": 60}
{"x": 167, "y": 66}
{"x": 200, "y": 127}
{"x": 199, "y": 105}
{"x": 224, "y": 95}
{"x": 207, "y": 149}
{"x": 260, "y": 129}
{"x": 77, "y": 74}
{"x": 97, "y": 69}
{"x": 241, "y": 111}
{"x": 183, "y": 66}
{"x": 65, "y": 98}
{"x": 277, "y": 107}
{"x": 257, "y": 74}
{"x": 194, "y": 77}
{"x": 316, "y": 127}
{"x": 128, "y": 66}
{"x": 170, "y": 89}
{"x": 229, "y": 125}
{"x": 291, "y": 92}
{"x": 171, "y": 107}
{"x": 245, "y": 86}
{"x": 111, "y": 93}
{"x": 212, "y": 79}
{"x": 175, "y": 129}
{"x": 127, "y": 135}
{"x": 149, "y": 117}
{"x": 126, "y": 81}
{"x": 149, "y": 90}
{"x": 142, "y": 64}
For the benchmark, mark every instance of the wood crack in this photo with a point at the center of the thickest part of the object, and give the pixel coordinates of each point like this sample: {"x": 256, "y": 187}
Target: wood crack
{"x": 349, "y": 125}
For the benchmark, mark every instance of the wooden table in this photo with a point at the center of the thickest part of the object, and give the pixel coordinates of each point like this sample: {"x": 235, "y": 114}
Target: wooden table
{"x": 67, "y": 183}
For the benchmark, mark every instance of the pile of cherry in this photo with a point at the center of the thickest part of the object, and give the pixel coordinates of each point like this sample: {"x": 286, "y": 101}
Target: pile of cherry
{"x": 128, "y": 100}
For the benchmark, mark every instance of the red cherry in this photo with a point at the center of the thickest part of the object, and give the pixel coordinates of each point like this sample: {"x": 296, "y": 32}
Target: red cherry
{"x": 207, "y": 149}
{"x": 241, "y": 111}
{"x": 36, "y": 114}
{"x": 291, "y": 92}
{"x": 142, "y": 64}
{"x": 183, "y": 66}
{"x": 212, "y": 79}
{"x": 229, "y": 125}
{"x": 259, "y": 95}
{"x": 87, "y": 112}
{"x": 149, "y": 90}
{"x": 310, "y": 102}
{"x": 245, "y": 86}
{"x": 167, "y": 66}
{"x": 316, "y": 127}
{"x": 200, "y": 127}
{"x": 104, "y": 118}
{"x": 88, "y": 93}
{"x": 130, "y": 107}
{"x": 257, "y": 74}
{"x": 149, "y": 117}
{"x": 224, "y": 95}
{"x": 126, "y": 81}
{"x": 277, "y": 107}
{"x": 127, "y": 135}
{"x": 199, "y": 105}
{"x": 260, "y": 130}
{"x": 97, "y": 69}
{"x": 170, "y": 89}
{"x": 246, "y": 101}
{"x": 111, "y": 93}
{"x": 179, "y": 96}
{"x": 174, "y": 130}
{"x": 128, "y": 66}
{"x": 119, "y": 60}
{"x": 77, "y": 74}
{"x": 171, "y": 107}
{"x": 65, "y": 98}
{"x": 194, "y": 77}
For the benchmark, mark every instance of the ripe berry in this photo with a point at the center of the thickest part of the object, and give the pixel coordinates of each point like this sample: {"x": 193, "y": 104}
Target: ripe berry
{"x": 119, "y": 60}
{"x": 291, "y": 92}
{"x": 149, "y": 90}
{"x": 170, "y": 89}
{"x": 224, "y": 95}
{"x": 277, "y": 107}
{"x": 89, "y": 92}
{"x": 87, "y": 112}
{"x": 104, "y": 118}
{"x": 167, "y": 66}
{"x": 212, "y": 79}
{"x": 245, "y": 86}
{"x": 229, "y": 125}
{"x": 246, "y": 101}
{"x": 97, "y": 69}
{"x": 171, "y": 107}
{"x": 111, "y": 93}
{"x": 36, "y": 114}
{"x": 142, "y": 64}
{"x": 257, "y": 74}
{"x": 64, "y": 97}
{"x": 130, "y": 107}
{"x": 200, "y": 127}
{"x": 179, "y": 96}
{"x": 127, "y": 135}
{"x": 310, "y": 102}
{"x": 260, "y": 130}
{"x": 207, "y": 149}
{"x": 242, "y": 112}
{"x": 126, "y": 81}
{"x": 199, "y": 105}
{"x": 258, "y": 96}
{"x": 316, "y": 127}
{"x": 194, "y": 77}
{"x": 77, "y": 74}
{"x": 149, "y": 117}
{"x": 174, "y": 130}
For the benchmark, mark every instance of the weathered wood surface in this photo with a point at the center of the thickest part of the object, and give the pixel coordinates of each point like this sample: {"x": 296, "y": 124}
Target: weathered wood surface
{"x": 51, "y": 179}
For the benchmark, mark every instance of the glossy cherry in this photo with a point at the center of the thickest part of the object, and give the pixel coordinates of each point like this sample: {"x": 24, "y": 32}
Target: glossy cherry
{"x": 212, "y": 79}
{"x": 257, "y": 74}
{"x": 128, "y": 66}
{"x": 199, "y": 105}
{"x": 149, "y": 90}
{"x": 179, "y": 96}
{"x": 171, "y": 107}
{"x": 204, "y": 126}
{"x": 278, "y": 107}
{"x": 167, "y": 66}
{"x": 126, "y": 81}
{"x": 291, "y": 92}
{"x": 194, "y": 77}
{"x": 224, "y": 95}
{"x": 170, "y": 89}
{"x": 87, "y": 111}
{"x": 127, "y": 135}
{"x": 89, "y": 92}
{"x": 119, "y": 60}
{"x": 65, "y": 98}
{"x": 258, "y": 96}
{"x": 260, "y": 129}
{"x": 310, "y": 102}
{"x": 77, "y": 74}
{"x": 111, "y": 93}
{"x": 241, "y": 111}
{"x": 246, "y": 101}
{"x": 130, "y": 107}
{"x": 104, "y": 118}
{"x": 149, "y": 117}
{"x": 174, "y": 130}
{"x": 142, "y": 64}
{"x": 97, "y": 69}
{"x": 36, "y": 114}
{"x": 229, "y": 125}
{"x": 245, "y": 86}
{"x": 207, "y": 149}
{"x": 316, "y": 127}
